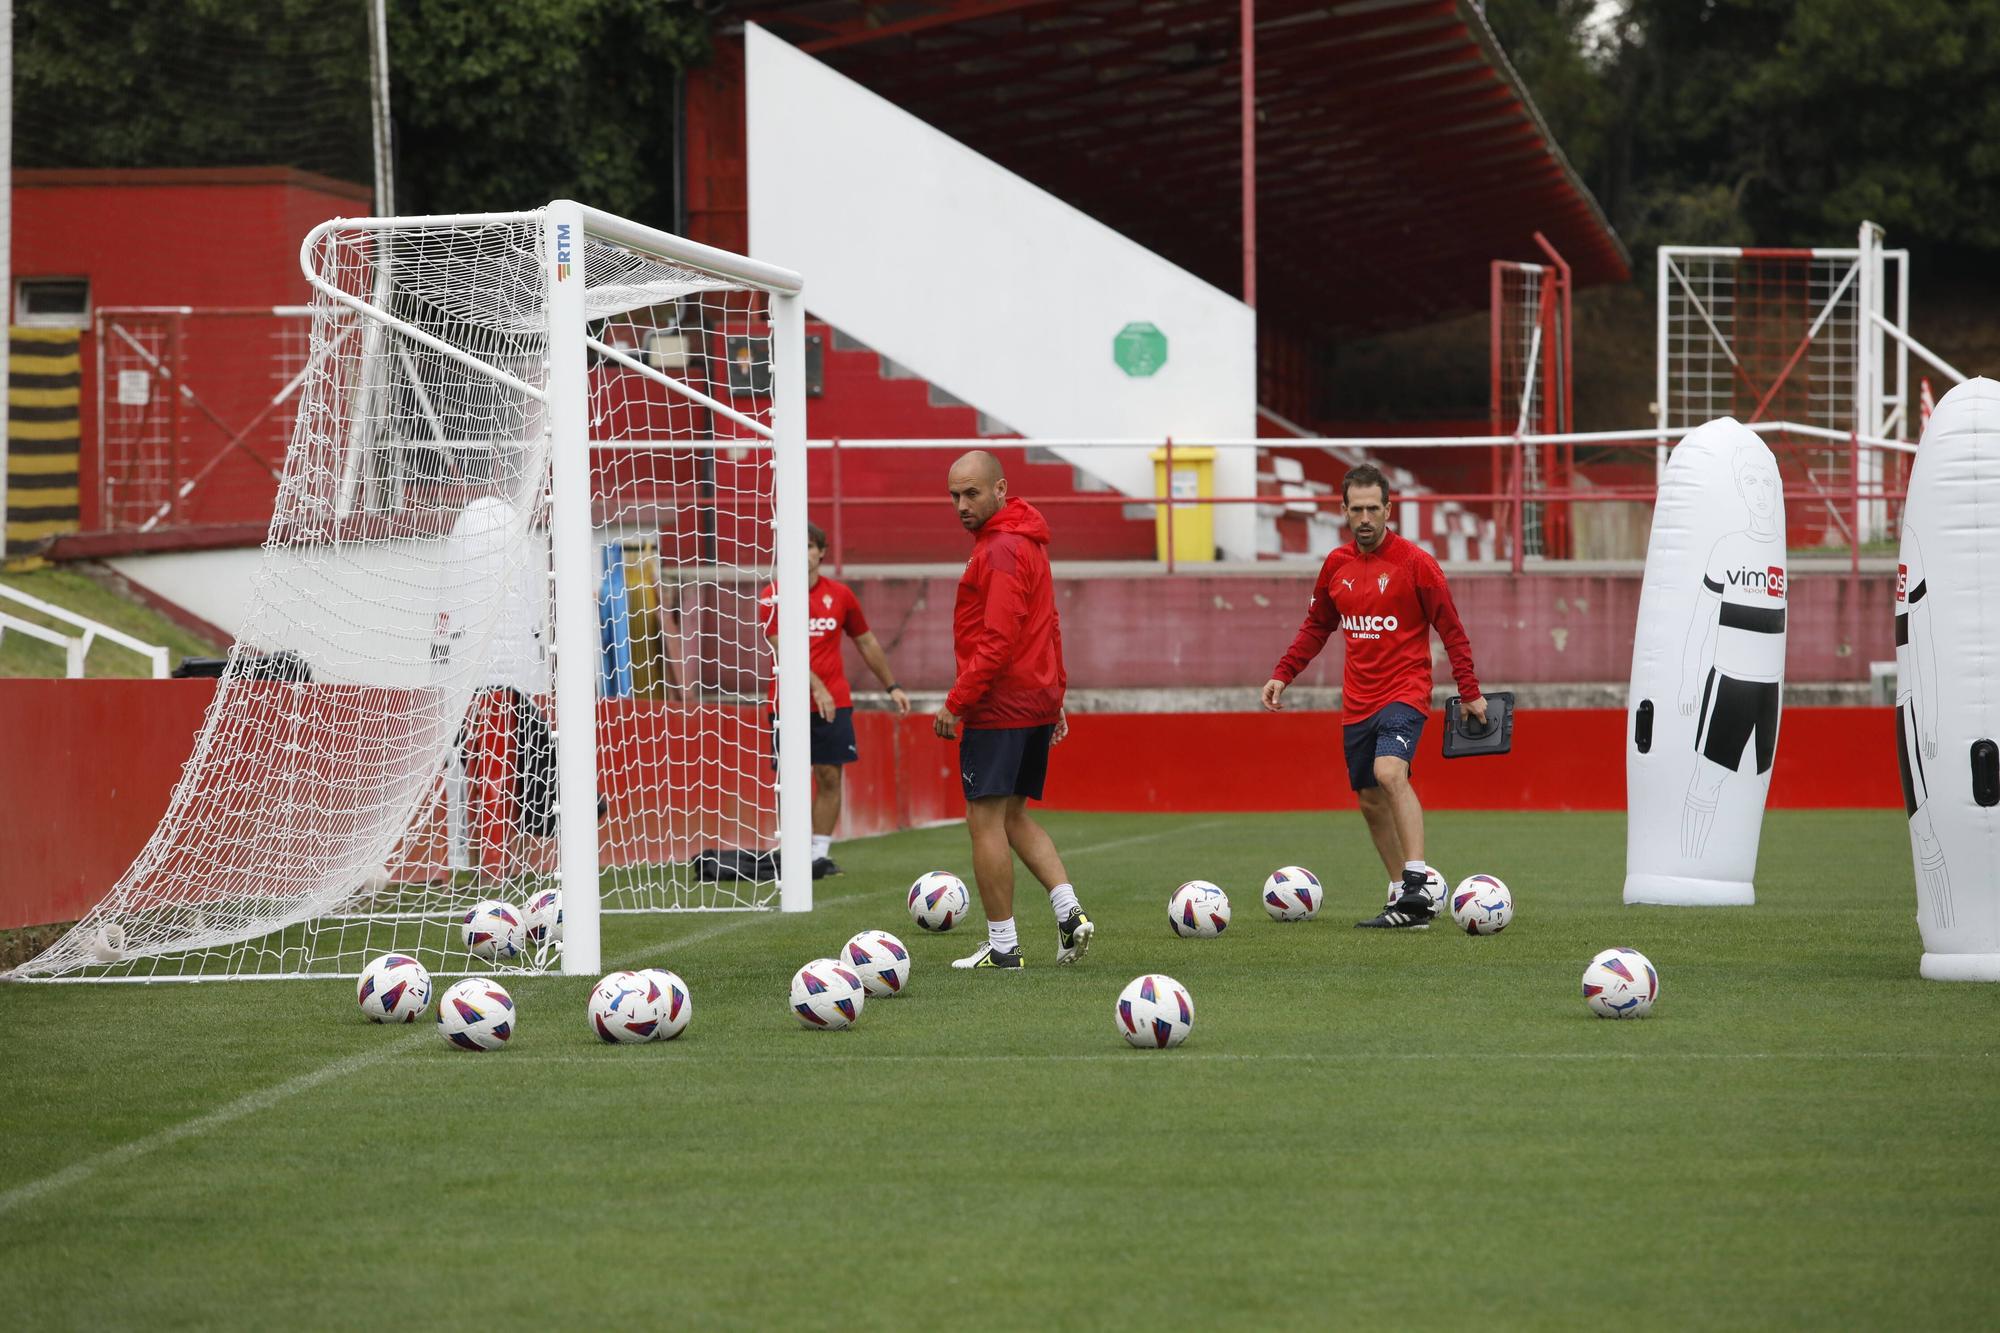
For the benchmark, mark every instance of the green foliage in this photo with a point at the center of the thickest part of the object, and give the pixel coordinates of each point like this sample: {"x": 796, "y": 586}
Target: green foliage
{"x": 192, "y": 83}
{"x": 495, "y": 105}
{"x": 1365, "y": 1131}
{"x": 1774, "y": 121}
{"x": 509, "y": 106}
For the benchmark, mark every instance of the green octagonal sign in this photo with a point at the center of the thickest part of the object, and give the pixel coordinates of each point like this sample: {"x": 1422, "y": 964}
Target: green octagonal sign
{"x": 1139, "y": 349}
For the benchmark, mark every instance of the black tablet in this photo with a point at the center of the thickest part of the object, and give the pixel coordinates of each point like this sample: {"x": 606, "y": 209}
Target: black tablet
{"x": 1464, "y": 736}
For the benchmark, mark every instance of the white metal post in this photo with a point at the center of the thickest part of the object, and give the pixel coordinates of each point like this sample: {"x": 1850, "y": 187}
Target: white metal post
{"x": 1867, "y": 362}
{"x": 570, "y": 540}
{"x": 788, "y": 412}
{"x": 1660, "y": 358}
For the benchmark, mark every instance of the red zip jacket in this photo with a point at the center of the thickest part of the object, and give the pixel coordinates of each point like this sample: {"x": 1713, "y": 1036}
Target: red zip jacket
{"x": 1386, "y": 603}
{"x": 1004, "y": 630}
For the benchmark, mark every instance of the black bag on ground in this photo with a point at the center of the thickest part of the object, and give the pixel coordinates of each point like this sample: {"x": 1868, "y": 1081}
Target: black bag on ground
{"x": 712, "y": 863}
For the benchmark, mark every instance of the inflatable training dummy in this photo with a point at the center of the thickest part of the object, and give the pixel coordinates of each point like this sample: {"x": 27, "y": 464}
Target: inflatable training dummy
{"x": 1708, "y": 673}
{"x": 1948, "y": 683}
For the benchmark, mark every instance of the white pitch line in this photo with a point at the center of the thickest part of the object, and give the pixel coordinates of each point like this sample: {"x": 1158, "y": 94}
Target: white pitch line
{"x": 248, "y": 1104}
{"x": 1181, "y": 1057}
{"x": 1141, "y": 837}
{"x": 703, "y": 936}
{"x": 265, "y": 1098}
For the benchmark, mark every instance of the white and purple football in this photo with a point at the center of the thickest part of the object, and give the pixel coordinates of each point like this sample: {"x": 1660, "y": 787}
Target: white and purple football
{"x": 395, "y": 988}
{"x": 938, "y": 900}
{"x": 827, "y": 995}
{"x": 1292, "y": 893}
{"x": 880, "y": 960}
{"x": 1482, "y": 905}
{"x": 1198, "y": 910}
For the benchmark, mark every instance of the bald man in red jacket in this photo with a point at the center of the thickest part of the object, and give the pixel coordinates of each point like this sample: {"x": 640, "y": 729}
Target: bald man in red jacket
{"x": 1006, "y": 707}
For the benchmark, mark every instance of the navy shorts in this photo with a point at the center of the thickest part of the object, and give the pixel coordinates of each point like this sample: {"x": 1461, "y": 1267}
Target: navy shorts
{"x": 832, "y": 742}
{"x": 1004, "y": 761}
{"x": 1392, "y": 731}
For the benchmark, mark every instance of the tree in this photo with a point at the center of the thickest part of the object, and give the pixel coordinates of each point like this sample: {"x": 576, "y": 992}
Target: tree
{"x": 507, "y": 106}
{"x": 496, "y": 106}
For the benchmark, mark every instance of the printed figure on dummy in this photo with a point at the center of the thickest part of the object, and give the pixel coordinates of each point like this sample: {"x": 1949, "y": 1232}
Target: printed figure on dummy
{"x": 1737, "y": 633}
{"x": 1948, "y": 684}
{"x": 1916, "y": 723}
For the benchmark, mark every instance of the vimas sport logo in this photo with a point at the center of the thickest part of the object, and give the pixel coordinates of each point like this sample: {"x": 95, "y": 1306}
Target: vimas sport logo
{"x": 1368, "y": 627}
{"x": 562, "y": 252}
{"x": 1771, "y": 580}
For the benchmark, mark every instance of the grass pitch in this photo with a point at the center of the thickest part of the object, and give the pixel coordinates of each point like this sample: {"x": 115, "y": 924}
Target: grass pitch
{"x": 1382, "y": 1129}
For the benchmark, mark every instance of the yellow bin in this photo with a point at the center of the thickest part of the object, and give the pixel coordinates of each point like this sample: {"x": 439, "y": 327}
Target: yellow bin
{"x": 1194, "y": 524}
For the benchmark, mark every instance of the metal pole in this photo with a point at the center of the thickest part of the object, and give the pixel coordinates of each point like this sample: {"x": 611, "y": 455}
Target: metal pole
{"x": 1247, "y": 27}
{"x": 7, "y": 242}
{"x": 571, "y": 546}
{"x": 1520, "y": 468}
{"x": 1660, "y": 364}
{"x": 788, "y": 419}
{"x": 378, "y": 106}
{"x": 1169, "y": 489}
{"x": 838, "y": 543}
{"x": 1854, "y": 500}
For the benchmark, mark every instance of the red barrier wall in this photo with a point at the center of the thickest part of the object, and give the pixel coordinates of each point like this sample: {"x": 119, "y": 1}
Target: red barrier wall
{"x": 86, "y": 767}
{"x": 90, "y": 765}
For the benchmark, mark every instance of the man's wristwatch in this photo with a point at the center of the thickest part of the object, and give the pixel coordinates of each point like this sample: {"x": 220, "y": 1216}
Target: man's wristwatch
{"x": 891, "y": 689}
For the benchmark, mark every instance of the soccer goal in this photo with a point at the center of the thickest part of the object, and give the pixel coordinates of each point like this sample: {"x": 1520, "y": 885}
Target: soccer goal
{"x": 1817, "y": 337}
{"x": 504, "y": 634}
{"x": 1529, "y": 350}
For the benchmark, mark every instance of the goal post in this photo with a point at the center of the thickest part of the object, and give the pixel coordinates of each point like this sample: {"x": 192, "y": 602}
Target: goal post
{"x": 1816, "y": 336}
{"x": 507, "y": 635}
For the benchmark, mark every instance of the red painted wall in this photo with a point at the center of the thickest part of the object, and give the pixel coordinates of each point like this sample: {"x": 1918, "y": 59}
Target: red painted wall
{"x": 209, "y": 237}
{"x": 91, "y": 765}
{"x": 1151, "y": 631}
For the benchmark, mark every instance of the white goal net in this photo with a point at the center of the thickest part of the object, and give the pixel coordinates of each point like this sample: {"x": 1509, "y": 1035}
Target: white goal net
{"x": 504, "y": 636}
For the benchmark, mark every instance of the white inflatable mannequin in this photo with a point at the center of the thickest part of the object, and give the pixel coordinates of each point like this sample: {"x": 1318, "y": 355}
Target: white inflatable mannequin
{"x": 1708, "y": 670}
{"x": 1948, "y": 680}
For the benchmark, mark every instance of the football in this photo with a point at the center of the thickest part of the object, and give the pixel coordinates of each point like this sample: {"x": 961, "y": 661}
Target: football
{"x": 1154, "y": 1012}
{"x": 676, "y": 1003}
{"x": 1292, "y": 893}
{"x": 880, "y": 960}
{"x": 626, "y": 1007}
{"x": 1198, "y": 910}
{"x": 476, "y": 1015}
{"x": 395, "y": 988}
{"x": 938, "y": 899}
{"x": 827, "y": 994}
{"x": 1481, "y": 905}
{"x": 1435, "y": 889}
{"x": 1621, "y": 983}
{"x": 542, "y": 921}
{"x": 493, "y": 932}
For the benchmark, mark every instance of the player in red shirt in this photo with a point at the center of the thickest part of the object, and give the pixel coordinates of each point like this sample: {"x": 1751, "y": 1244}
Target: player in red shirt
{"x": 1006, "y": 707}
{"x": 1386, "y": 594}
{"x": 831, "y": 609}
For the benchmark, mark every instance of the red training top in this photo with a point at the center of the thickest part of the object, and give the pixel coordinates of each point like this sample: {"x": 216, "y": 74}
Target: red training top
{"x": 830, "y": 608}
{"x": 1004, "y": 630}
{"x": 1386, "y": 602}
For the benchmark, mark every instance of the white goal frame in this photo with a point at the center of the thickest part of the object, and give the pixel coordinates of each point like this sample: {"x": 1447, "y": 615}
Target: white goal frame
{"x": 570, "y": 303}
{"x": 1855, "y": 342}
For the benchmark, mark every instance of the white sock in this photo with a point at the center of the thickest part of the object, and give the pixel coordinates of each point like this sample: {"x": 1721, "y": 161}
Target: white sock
{"x": 822, "y": 845}
{"x": 1000, "y": 934}
{"x": 1063, "y": 899}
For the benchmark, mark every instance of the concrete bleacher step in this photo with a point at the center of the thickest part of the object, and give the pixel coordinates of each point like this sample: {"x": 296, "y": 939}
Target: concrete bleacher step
{"x": 870, "y": 396}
